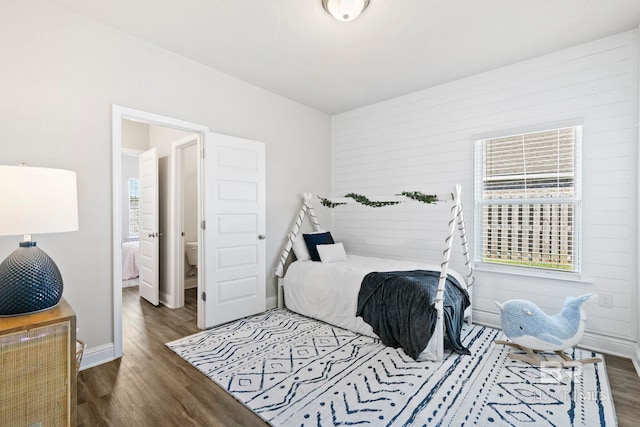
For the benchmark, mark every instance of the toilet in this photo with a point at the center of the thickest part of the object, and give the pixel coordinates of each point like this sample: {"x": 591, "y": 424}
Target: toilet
{"x": 191, "y": 249}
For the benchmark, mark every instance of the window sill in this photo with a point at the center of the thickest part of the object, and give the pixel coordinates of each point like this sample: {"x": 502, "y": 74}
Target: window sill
{"x": 575, "y": 278}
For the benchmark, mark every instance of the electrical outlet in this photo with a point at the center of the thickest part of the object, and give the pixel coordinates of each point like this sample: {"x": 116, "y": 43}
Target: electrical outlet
{"x": 606, "y": 299}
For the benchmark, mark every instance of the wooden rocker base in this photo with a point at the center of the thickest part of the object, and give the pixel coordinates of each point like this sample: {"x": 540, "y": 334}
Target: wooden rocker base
{"x": 538, "y": 359}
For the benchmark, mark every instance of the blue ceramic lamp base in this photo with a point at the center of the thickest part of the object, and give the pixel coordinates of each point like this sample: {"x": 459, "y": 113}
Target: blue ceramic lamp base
{"x": 29, "y": 281}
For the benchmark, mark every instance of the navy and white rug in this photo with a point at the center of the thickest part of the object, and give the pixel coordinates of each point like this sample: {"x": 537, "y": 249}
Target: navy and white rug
{"x": 296, "y": 371}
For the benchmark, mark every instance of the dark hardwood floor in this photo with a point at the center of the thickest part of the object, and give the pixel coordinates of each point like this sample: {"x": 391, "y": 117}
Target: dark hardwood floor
{"x": 625, "y": 387}
{"x": 151, "y": 386}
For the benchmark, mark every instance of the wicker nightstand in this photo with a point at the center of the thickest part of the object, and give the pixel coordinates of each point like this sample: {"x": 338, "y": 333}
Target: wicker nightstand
{"x": 38, "y": 368}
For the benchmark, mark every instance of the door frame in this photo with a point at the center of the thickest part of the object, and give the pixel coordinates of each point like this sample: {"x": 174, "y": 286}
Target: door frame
{"x": 176, "y": 221}
{"x": 119, "y": 113}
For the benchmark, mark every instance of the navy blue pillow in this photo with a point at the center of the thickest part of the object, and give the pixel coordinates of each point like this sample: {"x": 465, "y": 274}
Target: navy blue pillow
{"x": 313, "y": 240}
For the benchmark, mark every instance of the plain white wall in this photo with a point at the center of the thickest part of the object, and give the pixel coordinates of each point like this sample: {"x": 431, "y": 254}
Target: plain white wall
{"x": 135, "y": 135}
{"x": 162, "y": 137}
{"x": 60, "y": 75}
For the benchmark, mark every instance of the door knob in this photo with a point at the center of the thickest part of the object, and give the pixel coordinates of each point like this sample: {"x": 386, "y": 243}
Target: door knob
{"x": 151, "y": 235}
{"x": 261, "y": 236}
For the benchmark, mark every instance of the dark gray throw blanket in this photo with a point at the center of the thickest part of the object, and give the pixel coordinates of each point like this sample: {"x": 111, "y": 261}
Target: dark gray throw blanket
{"x": 400, "y": 307}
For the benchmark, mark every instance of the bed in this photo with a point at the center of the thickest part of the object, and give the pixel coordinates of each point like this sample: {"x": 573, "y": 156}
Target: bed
{"x": 333, "y": 291}
{"x": 130, "y": 256}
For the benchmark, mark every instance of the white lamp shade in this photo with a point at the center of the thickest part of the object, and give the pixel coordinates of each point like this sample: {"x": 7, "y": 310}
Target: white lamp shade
{"x": 37, "y": 200}
{"x": 345, "y": 10}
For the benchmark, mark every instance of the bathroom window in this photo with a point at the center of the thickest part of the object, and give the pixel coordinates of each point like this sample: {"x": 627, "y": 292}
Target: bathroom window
{"x": 134, "y": 206}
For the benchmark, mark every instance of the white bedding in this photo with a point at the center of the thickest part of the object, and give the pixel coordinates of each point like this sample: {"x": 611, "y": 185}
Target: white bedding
{"x": 130, "y": 255}
{"x": 329, "y": 291}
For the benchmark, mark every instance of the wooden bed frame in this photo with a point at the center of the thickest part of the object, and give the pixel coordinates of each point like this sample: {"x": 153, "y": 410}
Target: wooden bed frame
{"x": 456, "y": 221}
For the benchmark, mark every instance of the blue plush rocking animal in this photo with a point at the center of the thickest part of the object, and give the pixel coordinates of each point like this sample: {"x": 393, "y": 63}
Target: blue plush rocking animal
{"x": 531, "y": 330}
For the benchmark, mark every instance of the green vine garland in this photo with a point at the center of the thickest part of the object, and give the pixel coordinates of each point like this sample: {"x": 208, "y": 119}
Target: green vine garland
{"x": 328, "y": 203}
{"x": 421, "y": 197}
{"x": 365, "y": 201}
{"x": 359, "y": 198}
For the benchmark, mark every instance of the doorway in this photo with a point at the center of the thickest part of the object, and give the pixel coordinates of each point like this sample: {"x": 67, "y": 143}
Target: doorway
{"x": 119, "y": 114}
{"x": 185, "y": 173}
{"x": 231, "y": 283}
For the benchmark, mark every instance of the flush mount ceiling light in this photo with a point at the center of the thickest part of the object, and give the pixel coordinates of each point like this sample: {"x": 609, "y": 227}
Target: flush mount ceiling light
{"x": 345, "y": 10}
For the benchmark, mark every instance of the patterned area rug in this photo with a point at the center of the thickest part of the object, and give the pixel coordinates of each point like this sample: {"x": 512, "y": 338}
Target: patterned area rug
{"x": 296, "y": 371}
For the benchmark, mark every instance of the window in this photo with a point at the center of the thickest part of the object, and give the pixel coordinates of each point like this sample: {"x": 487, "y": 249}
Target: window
{"x": 527, "y": 193}
{"x": 133, "y": 186}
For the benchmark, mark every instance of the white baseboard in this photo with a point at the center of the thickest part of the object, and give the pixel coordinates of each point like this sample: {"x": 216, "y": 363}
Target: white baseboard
{"x": 105, "y": 353}
{"x": 602, "y": 344}
{"x": 608, "y": 345}
{"x": 590, "y": 340}
{"x": 167, "y": 300}
{"x": 190, "y": 282}
{"x": 636, "y": 359}
{"x": 272, "y": 302}
{"x": 97, "y": 356}
{"x": 486, "y": 318}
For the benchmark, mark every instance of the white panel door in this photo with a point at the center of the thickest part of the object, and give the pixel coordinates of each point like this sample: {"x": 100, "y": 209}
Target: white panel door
{"x": 149, "y": 288}
{"x": 234, "y": 235}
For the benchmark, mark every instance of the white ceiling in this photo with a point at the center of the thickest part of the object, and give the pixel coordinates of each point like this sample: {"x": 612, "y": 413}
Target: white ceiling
{"x": 295, "y": 49}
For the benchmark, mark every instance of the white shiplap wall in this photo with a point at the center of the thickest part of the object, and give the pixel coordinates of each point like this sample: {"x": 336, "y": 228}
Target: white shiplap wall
{"x": 424, "y": 141}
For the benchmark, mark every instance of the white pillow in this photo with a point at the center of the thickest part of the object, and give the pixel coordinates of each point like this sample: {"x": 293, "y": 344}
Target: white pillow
{"x": 332, "y": 253}
{"x": 299, "y": 247}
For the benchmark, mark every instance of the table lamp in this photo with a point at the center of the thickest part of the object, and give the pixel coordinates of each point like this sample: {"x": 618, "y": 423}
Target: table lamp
{"x": 32, "y": 201}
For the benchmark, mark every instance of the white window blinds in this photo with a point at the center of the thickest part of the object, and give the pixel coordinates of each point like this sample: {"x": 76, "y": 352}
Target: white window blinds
{"x": 528, "y": 199}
